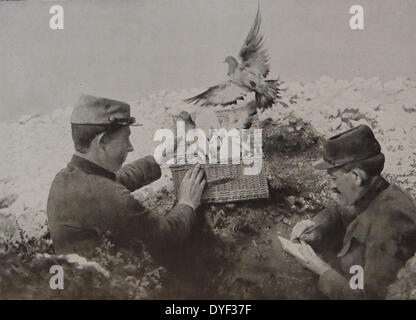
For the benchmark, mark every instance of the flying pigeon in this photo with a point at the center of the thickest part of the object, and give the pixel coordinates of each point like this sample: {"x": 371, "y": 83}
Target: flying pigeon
{"x": 244, "y": 77}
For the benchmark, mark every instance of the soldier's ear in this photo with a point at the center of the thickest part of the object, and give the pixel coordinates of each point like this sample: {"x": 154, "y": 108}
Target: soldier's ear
{"x": 360, "y": 176}
{"x": 100, "y": 140}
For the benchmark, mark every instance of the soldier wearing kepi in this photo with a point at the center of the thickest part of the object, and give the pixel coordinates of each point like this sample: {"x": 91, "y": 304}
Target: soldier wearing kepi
{"x": 91, "y": 197}
{"x": 376, "y": 220}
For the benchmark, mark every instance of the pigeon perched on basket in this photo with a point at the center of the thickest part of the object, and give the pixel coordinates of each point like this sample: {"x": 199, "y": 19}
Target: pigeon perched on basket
{"x": 245, "y": 77}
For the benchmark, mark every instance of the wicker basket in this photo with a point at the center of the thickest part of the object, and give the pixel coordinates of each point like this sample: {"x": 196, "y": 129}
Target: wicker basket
{"x": 225, "y": 182}
{"x": 229, "y": 116}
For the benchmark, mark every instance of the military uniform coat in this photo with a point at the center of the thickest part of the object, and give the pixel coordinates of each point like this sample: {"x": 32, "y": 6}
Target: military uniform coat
{"x": 86, "y": 202}
{"x": 379, "y": 235}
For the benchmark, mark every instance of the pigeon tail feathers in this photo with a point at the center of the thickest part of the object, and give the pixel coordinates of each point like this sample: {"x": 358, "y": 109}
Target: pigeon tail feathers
{"x": 270, "y": 95}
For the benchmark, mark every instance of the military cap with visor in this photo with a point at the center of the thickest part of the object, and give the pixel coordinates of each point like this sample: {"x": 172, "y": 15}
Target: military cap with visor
{"x": 91, "y": 110}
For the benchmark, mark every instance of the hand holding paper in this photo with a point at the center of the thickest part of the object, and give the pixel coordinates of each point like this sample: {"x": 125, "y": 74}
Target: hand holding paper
{"x": 305, "y": 255}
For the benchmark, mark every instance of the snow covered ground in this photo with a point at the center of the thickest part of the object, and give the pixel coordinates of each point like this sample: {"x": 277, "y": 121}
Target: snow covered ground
{"x": 36, "y": 147}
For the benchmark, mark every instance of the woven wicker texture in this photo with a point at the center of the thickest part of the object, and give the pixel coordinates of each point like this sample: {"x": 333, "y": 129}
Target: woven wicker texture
{"x": 226, "y": 183}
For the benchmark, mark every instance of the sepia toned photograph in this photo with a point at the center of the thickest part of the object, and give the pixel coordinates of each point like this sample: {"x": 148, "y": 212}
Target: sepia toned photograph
{"x": 208, "y": 150}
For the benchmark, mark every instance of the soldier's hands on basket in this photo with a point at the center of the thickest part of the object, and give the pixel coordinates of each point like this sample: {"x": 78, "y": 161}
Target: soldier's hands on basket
{"x": 192, "y": 187}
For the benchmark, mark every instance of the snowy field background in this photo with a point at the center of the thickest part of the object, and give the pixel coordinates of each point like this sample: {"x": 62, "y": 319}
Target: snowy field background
{"x": 36, "y": 147}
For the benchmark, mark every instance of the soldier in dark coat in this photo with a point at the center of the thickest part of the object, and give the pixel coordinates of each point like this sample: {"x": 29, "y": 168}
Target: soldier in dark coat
{"x": 91, "y": 197}
{"x": 375, "y": 221}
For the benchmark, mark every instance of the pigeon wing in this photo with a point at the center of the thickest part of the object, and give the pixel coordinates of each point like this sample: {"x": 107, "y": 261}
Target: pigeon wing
{"x": 252, "y": 55}
{"x": 223, "y": 94}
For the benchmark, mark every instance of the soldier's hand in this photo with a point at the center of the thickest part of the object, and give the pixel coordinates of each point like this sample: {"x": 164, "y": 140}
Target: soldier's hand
{"x": 303, "y": 231}
{"x": 192, "y": 187}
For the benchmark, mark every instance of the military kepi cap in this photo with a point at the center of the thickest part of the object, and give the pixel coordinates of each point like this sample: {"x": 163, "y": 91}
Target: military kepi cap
{"x": 356, "y": 144}
{"x": 91, "y": 110}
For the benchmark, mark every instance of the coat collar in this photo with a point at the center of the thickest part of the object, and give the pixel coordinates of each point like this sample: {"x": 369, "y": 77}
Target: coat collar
{"x": 91, "y": 167}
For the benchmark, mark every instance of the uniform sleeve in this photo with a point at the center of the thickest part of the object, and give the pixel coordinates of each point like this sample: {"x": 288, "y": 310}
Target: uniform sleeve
{"x": 126, "y": 219}
{"x": 384, "y": 256}
{"x": 139, "y": 173}
{"x": 329, "y": 226}
{"x": 337, "y": 287}
{"x": 328, "y": 219}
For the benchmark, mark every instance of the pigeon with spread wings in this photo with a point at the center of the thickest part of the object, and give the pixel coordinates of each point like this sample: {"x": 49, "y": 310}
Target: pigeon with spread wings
{"x": 245, "y": 77}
